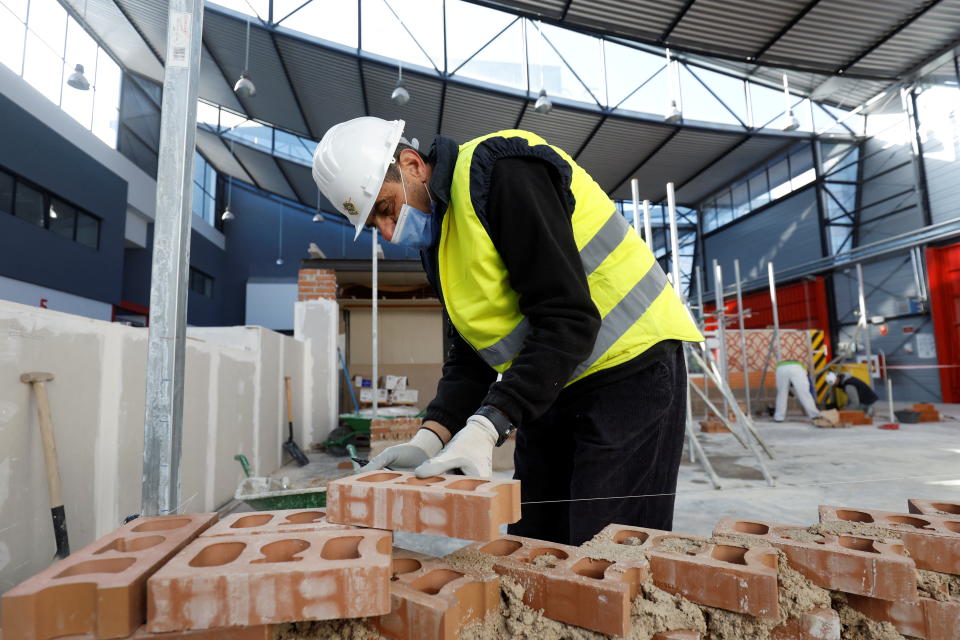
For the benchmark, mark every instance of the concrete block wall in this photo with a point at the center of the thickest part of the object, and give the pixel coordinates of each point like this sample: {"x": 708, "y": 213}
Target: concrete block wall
{"x": 234, "y": 403}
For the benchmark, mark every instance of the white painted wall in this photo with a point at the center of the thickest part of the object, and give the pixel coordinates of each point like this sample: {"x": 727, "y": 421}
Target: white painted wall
{"x": 270, "y": 304}
{"x": 316, "y": 323}
{"x": 34, "y": 296}
{"x": 234, "y": 403}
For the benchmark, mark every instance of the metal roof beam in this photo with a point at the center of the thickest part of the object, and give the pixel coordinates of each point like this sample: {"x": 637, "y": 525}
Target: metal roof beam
{"x": 883, "y": 39}
{"x": 646, "y": 159}
{"x": 676, "y": 21}
{"x": 293, "y": 87}
{"x": 786, "y": 28}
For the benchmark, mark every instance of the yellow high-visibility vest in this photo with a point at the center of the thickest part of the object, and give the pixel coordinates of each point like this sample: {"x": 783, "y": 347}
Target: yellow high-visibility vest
{"x": 638, "y": 306}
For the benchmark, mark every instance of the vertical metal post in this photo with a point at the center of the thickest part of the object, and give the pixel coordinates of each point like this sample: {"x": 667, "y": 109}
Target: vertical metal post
{"x": 648, "y": 225}
{"x": 674, "y": 243}
{"x": 772, "y": 281}
{"x": 374, "y": 323}
{"x": 635, "y": 192}
{"x": 721, "y": 329}
{"x": 163, "y": 420}
{"x": 703, "y": 321}
{"x": 743, "y": 338}
{"x": 864, "y": 321}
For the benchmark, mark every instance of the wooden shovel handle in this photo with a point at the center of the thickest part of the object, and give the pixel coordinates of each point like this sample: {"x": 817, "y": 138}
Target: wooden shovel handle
{"x": 286, "y": 382}
{"x": 49, "y": 445}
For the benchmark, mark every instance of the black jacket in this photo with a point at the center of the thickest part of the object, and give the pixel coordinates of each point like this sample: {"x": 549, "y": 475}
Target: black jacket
{"x": 528, "y": 211}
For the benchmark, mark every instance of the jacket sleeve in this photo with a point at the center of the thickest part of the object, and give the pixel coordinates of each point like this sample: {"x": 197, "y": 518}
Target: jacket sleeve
{"x": 466, "y": 380}
{"x": 528, "y": 215}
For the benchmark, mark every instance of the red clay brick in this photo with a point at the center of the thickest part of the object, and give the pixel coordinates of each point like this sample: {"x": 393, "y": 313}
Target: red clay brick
{"x": 225, "y": 581}
{"x": 850, "y": 564}
{"x": 452, "y": 506}
{"x": 677, "y": 635}
{"x": 575, "y": 588}
{"x": 100, "y": 589}
{"x": 728, "y": 577}
{"x": 713, "y": 426}
{"x": 855, "y": 417}
{"x": 933, "y": 542}
{"x": 284, "y": 521}
{"x": 928, "y": 619}
{"x": 819, "y": 624}
{"x": 259, "y": 632}
{"x": 432, "y": 601}
{"x": 933, "y": 507}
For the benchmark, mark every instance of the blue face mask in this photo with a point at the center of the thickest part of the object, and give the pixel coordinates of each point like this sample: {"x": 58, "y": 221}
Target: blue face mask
{"x": 415, "y": 229}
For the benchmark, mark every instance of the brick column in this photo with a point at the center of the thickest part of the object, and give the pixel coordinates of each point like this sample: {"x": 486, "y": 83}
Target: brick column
{"x": 313, "y": 284}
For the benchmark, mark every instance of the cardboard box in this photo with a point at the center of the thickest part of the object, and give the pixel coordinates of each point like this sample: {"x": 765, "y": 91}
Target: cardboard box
{"x": 406, "y": 395}
{"x": 393, "y": 383}
{"x": 366, "y": 395}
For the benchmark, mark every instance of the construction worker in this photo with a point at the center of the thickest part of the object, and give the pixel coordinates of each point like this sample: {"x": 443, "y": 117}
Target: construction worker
{"x": 545, "y": 284}
{"x": 860, "y": 396}
{"x": 791, "y": 373}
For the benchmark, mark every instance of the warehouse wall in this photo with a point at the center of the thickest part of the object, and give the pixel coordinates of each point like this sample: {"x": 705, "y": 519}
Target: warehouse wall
{"x": 786, "y": 232}
{"x": 233, "y": 404}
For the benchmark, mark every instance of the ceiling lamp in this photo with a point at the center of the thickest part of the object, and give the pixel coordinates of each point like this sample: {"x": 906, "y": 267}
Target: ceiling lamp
{"x": 77, "y": 80}
{"x": 790, "y": 122}
{"x": 317, "y": 217}
{"x": 543, "y": 104}
{"x": 244, "y": 85}
{"x": 227, "y": 214}
{"x": 400, "y": 95}
{"x": 674, "y": 113}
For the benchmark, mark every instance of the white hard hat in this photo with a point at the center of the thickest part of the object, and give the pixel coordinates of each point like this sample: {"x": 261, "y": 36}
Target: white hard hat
{"x": 831, "y": 377}
{"x": 351, "y": 161}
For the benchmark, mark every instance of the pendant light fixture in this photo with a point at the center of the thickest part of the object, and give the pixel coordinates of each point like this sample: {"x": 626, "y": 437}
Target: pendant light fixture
{"x": 244, "y": 85}
{"x": 279, "y": 235}
{"x": 790, "y": 122}
{"x": 400, "y": 95}
{"x": 674, "y": 114}
{"x": 317, "y": 217}
{"x": 77, "y": 80}
{"x": 227, "y": 213}
{"x": 543, "y": 104}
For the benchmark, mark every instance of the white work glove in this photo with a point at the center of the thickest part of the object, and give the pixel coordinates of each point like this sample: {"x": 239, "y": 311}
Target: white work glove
{"x": 421, "y": 447}
{"x": 471, "y": 451}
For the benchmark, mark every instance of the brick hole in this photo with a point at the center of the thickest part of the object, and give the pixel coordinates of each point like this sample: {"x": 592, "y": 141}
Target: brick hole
{"x": 854, "y": 516}
{"x": 423, "y": 481}
{"x": 404, "y": 565}
{"x": 857, "y": 544}
{"x": 630, "y": 537}
{"x": 129, "y": 545}
{"x": 346, "y": 548}
{"x": 385, "y": 545}
{"x": 917, "y": 523}
{"x": 105, "y": 565}
{"x": 304, "y": 517}
{"x": 380, "y": 477}
{"x": 257, "y": 520}
{"x": 770, "y": 559}
{"x": 726, "y": 553}
{"x": 282, "y": 551}
{"x": 432, "y": 582}
{"x": 502, "y": 547}
{"x": 952, "y": 526}
{"x": 591, "y": 568}
{"x": 556, "y": 554}
{"x": 162, "y": 525}
{"x": 946, "y": 507}
{"x": 466, "y": 485}
{"x": 216, "y": 555}
{"x": 754, "y": 528}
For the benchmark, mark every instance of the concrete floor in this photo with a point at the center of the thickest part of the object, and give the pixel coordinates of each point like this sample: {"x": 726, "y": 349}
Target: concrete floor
{"x": 857, "y": 467}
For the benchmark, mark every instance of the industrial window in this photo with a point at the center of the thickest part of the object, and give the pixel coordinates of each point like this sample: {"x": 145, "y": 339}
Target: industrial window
{"x": 201, "y": 283}
{"x": 204, "y": 189}
{"x": 43, "y": 209}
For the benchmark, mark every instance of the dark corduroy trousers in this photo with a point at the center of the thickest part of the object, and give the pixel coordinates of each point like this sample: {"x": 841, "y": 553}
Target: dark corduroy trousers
{"x": 588, "y": 451}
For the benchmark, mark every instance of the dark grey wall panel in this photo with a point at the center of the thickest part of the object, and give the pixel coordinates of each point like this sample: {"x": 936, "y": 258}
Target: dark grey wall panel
{"x": 787, "y": 233}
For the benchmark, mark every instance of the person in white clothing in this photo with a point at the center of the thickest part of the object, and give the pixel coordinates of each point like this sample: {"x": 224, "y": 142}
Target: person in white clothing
{"x": 792, "y": 372}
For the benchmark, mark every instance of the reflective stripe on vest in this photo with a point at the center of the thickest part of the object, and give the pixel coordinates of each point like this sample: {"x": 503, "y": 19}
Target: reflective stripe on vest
{"x": 617, "y": 321}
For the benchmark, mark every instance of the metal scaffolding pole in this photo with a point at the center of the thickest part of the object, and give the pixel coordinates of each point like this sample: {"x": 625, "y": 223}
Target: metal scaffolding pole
{"x": 647, "y": 225}
{"x": 635, "y": 192}
{"x": 374, "y": 322}
{"x": 696, "y": 450}
{"x": 701, "y": 326}
{"x": 862, "y": 300}
{"x": 721, "y": 328}
{"x": 743, "y": 338}
{"x": 166, "y": 342}
{"x": 776, "y": 313}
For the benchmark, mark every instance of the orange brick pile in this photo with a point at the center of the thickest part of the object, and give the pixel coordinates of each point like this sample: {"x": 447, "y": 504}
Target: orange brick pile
{"x": 854, "y": 417}
{"x": 713, "y": 425}
{"x": 314, "y": 284}
{"x": 858, "y": 574}
{"x": 393, "y": 428}
{"x": 928, "y": 413}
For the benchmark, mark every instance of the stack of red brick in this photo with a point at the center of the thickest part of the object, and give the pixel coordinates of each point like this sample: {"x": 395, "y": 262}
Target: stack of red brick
{"x": 192, "y": 577}
{"x": 928, "y": 412}
{"x": 313, "y": 284}
{"x": 393, "y": 428}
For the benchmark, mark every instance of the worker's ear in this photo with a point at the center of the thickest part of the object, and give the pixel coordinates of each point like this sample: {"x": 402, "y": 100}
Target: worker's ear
{"x": 413, "y": 165}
